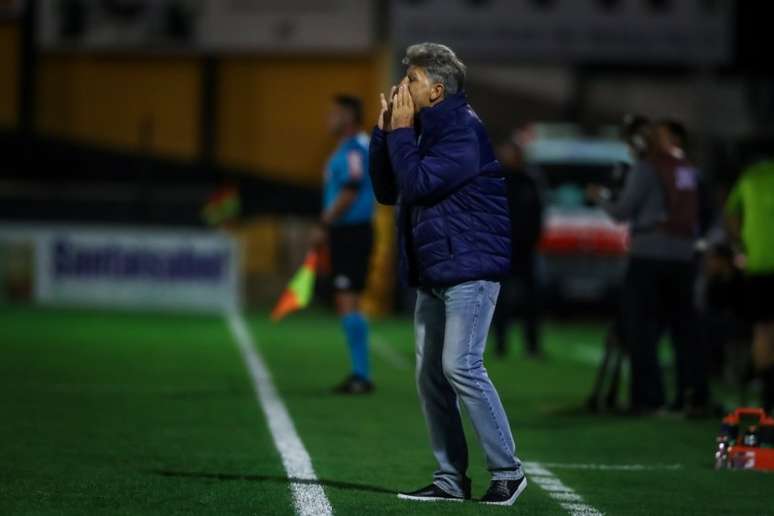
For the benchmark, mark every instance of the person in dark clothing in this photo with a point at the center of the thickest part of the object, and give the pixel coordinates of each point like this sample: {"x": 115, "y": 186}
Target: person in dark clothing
{"x": 723, "y": 328}
{"x": 521, "y": 289}
{"x": 431, "y": 157}
{"x": 750, "y": 210}
{"x": 687, "y": 215}
{"x": 660, "y": 202}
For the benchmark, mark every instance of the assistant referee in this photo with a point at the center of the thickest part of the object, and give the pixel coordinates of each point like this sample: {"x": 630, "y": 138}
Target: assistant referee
{"x": 346, "y": 224}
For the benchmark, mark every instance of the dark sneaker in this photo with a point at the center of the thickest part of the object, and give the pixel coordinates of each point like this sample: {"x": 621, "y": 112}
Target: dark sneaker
{"x": 354, "y": 385}
{"x": 504, "y": 492}
{"x": 433, "y": 493}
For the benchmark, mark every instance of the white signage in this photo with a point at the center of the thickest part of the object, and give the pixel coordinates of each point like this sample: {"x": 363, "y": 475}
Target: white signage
{"x": 141, "y": 269}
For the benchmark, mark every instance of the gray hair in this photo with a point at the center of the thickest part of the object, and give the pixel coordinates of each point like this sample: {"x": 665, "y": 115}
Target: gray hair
{"x": 441, "y": 64}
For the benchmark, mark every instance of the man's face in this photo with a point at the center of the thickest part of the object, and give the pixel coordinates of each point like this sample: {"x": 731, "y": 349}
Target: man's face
{"x": 338, "y": 118}
{"x": 664, "y": 140}
{"x": 634, "y": 154}
{"x": 423, "y": 91}
{"x": 510, "y": 156}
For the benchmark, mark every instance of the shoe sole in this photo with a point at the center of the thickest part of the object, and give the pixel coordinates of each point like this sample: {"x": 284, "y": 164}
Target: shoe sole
{"x": 428, "y": 498}
{"x": 514, "y": 496}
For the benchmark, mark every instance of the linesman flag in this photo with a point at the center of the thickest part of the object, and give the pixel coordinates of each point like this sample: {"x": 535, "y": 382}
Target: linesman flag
{"x": 222, "y": 207}
{"x": 299, "y": 291}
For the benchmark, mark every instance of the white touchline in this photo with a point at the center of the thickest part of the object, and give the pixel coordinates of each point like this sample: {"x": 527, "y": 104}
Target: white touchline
{"x": 614, "y": 467}
{"x": 308, "y": 498}
{"x": 568, "y": 499}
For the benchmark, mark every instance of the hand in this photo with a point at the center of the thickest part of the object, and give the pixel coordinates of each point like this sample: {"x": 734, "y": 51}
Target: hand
{"x": 385, "y": 115}
{"x": 596, "y": 193}
{"x": 740, "y": 260}
{"x": 592, "y": 193}
{"x": 403, "y": 108}
{"x": 319, "y": 236}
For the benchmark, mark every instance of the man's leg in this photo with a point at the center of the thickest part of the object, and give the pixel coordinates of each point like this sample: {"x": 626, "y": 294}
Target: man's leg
{"x": 531, "y": 308}
{"x": 438, "y": 399}
{"x": 350, "y": 251}
{"x": 356, "y": 330}
{"x": 690, "y": 360}
{"x": 641, "y": 332}
{"x": 469, "y": 308}
{"x": 763, "y": 359}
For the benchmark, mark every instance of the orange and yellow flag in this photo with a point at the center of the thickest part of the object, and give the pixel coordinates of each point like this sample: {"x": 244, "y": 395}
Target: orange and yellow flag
{"x": 299, "y": 291}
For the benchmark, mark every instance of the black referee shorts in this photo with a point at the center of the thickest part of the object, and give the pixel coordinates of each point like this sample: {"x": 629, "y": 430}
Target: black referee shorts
{"x": 350, "y": 247}
{"x": 760, "y": 298}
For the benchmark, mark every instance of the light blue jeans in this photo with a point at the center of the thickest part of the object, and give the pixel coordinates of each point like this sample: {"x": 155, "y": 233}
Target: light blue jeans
{"x": 451, "y": 326}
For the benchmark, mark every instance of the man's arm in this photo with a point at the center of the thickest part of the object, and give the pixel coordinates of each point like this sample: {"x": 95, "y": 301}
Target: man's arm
{"x": 638, "y": 184}
{"x": 382, "y": 175}
{"x": 343, "y": 201}
{"x": 352, "y": 177}
{"x": 734, "y": 212}
{"x": 449, "y": 163}
{"x": 340, "y": 206}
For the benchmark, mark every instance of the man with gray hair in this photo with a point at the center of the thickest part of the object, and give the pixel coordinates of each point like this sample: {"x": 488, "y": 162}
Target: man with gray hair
{"x": 431, "y": 157}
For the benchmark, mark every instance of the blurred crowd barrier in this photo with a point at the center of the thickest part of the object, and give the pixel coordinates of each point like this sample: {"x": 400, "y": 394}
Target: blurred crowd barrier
{"x": 120, "y": 267}
{"x": 244, "y": 265}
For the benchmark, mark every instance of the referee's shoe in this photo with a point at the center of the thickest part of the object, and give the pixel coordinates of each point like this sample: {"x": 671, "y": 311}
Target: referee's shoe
{"x": 354, "y": 384}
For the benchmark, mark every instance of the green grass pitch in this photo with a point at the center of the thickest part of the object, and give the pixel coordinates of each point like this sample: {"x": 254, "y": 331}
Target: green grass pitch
{"x": 117, "y": 413}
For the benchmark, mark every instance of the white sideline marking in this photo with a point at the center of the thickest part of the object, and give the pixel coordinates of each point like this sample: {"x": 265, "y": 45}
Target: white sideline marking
{"x": 308, "y": 498}
{"x": 388, "y": 353}
{"x": 614, "y": 467}
{"x": 568, "y": 499}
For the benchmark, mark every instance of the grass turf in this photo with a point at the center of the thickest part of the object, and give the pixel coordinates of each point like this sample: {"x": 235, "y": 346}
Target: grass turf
{"x": 111, "y": 413}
